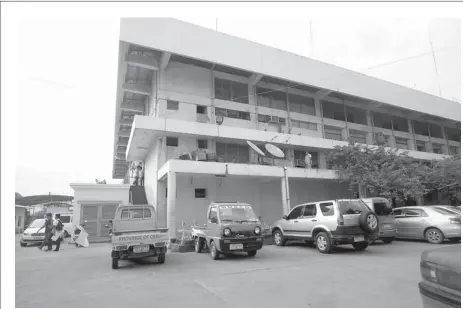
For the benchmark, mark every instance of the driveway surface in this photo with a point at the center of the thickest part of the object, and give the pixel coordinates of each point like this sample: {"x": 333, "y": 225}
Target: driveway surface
{"x": 292, "y": 276}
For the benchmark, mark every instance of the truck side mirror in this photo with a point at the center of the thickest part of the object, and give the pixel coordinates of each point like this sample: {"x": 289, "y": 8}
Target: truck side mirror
{"x": 214, "y": 220}
{"x": 285, "y": 217}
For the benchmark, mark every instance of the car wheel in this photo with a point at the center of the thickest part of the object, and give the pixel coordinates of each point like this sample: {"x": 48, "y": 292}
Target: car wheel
{"x": 161, "y": 258}
{"x": 252, "y": 253}
{"x": 115, "y": 264}
{"x": 323, "y": 242}
{"x": 368, "y": 222}
{"x": 278, "y": 238}
{"x": 387, "y": 240}
{"x": 360, "y": 246}
{"x": 434, "y": 236}
{"x": 22, "y": 244}
{"x": 199, "y": 244}
{"x": 214, "y": 252}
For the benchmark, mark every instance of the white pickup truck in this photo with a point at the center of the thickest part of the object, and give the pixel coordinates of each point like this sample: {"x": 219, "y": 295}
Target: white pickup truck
{"x": 134, "y": 234}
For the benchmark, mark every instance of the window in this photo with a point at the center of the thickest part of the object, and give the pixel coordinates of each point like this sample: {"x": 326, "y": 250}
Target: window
{"x": 435, "y": 130}
{"x": 352, "y": 207}
{"x": 382, "y": 121}
{"x": 356, "y": 115}
{"x": 333, "y": 133}
{"x": 231, "y": 91}
{"x": 172, "y": 141}
{"x": 233, "y": 153}
{"x": 333, "y": 110}
{"x": 399, "y": 124}
{"x": 271, "y": 98}
{"x": 358, "y": 136}
{"x": 233, "y": 114}
{"x": 295, "y": 213}
{"x": 310, "y": 211}
{"x": 397, "y": 213}
{"x": 213, "y": 214}
{"x": 437, "y": 148}
{"x": 421, "y": 146}
{"x": 136, "y": 213}
{"x": 414, "y": 213}
{"x": 299, "y": 155}
{"x": 65, "y": 219}
{"x": 453, "y": 150}
{"x": 268, "y": 118}
{"x": 401, "y": 143}
{"x": 327, "y": 209}
{"x": 303, "y": 125}
{"x": 300, "y": 104}
{"x": 421, "y": 128}
{"x": 202, "y": 143}
{"x": 200, "y": 109}
{"x": 453, "y": 134}
{"x": 382, "y": 208}
{"x": 200, "y": 193}
{"x": 444, "y": 211}
{"x": 172, "y": 105}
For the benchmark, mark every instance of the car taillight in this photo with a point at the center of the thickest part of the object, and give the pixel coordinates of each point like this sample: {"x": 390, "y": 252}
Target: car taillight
{"x": 455, "y": 220}
{"x": 340, "y": 219}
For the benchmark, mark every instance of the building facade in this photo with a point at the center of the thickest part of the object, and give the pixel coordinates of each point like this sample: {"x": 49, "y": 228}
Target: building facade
{"x": 189, "y": 99}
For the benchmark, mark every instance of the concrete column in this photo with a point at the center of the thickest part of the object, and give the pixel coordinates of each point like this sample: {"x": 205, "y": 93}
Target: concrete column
{"x": 322, "y": 160}
{"x": 319, "y": 113}
{"x": 391, "y": 141}
{"x": 344, "y": 134}
{"x": 253, "y": 102}
{"x": 285, "y": 194}
{"x": 445, "y": 148}
{"x": 370, "y": 134}
{"x": 171, "y": 199}
{"x": 411, "y": 142}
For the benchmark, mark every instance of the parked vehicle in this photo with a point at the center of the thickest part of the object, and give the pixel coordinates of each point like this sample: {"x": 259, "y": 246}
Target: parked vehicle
{"x": 30, "y": 235}
{"x": 440, "y": 285}
{"x": 383, "y": 209}
{"x": 328, "y": 224}
{"x": 231, "y": 227}
{"x": 66, "y": 219}
{"x": 435, "y": 224}
{"x": 135, "y": 234}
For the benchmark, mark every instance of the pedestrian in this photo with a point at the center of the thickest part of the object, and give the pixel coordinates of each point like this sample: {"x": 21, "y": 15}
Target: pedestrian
{"x": 48, "y": 225}
{"x": 58, "y": 231}
{"x": 308, "y": 160}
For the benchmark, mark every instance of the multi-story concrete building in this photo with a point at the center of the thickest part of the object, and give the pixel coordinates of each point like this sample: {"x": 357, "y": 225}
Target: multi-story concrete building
{"x": 182, "y": 89}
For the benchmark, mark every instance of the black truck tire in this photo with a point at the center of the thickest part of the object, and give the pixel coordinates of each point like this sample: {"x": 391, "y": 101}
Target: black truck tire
{"x": 199, "y": 244}
{"x": 161, "y": 258}
{"x": 252, "y": 253}
{"x": 214, "y": 252}
{"x": 115, "y": 264}
{"x": 323, "y": 243}
{"x": 369, "y": 222}
{"x": 278, "y": 238}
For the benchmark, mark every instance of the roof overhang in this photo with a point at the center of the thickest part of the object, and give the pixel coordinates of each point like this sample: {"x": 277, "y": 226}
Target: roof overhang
{"x": 181, "y": 38}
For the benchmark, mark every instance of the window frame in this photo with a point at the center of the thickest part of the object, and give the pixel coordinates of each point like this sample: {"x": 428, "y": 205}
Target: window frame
{"x": 172, "y": 138}
{"x": 324, "y": 205}
{"x": 202, "y": 140}
{"x": 200, "y": 195}
{"x": 176, "y": 104}
{"x": 212, "y": 210}
{"x": 293, "y": 210}
{"x": 314, "y": 213}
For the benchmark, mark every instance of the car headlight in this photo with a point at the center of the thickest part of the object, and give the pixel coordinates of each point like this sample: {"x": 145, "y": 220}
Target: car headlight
{"x": 26, "y": 234}
{"x": 227, "y": 232}
{"x": 257, "y": 230}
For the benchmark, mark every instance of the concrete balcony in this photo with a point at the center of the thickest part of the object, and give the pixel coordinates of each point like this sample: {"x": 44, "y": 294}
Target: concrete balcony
{"x": 124, "y": 134}
{"x": 140, "y": 88}
{"x": 143, "y": 61}
{"x": 219, "y": 169}
{"x": 125, "y": 122}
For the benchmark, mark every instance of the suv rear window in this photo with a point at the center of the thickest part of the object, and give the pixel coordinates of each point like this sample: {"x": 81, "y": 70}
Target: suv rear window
{"x": 382, "y": 208}
{"x": 444, "y": 211}
{"x": 352, "y": 207}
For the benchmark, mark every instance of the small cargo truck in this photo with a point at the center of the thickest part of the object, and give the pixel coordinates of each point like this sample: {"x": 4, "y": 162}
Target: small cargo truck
{"x": 231, "y": 227}
{"x": 134, "y": 234}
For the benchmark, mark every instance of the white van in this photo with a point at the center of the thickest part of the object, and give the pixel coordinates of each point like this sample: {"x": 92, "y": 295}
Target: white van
{"x": 66, "y": 218}
{"x": 383, "y": 209}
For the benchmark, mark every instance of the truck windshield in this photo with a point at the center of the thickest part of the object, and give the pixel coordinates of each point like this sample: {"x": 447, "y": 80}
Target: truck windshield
{"x": 237, "y": 213}
{"x": 352, "y": 207}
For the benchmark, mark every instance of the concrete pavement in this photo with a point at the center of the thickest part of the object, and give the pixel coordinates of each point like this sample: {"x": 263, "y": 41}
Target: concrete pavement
{"x": 291, "y": 276}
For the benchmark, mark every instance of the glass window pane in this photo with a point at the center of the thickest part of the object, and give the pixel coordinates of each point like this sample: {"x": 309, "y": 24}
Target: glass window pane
{"x": 240, "y": 92}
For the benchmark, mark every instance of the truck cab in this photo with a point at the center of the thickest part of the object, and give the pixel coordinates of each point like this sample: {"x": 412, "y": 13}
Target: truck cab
{"x": 135, "y": 234}
{"x": 231, "y": 227}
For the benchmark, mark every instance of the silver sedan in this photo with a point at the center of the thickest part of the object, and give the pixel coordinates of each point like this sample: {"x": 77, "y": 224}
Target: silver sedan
{"x": 433, "y": 223}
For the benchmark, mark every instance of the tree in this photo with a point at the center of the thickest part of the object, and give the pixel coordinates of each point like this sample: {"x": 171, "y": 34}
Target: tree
{"x": 382, "y": 171}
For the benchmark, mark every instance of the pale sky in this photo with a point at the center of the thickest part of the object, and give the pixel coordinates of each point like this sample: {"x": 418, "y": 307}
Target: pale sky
{"x": 67, "y": 79}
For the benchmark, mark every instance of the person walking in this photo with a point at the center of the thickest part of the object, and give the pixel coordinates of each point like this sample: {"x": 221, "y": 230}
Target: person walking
{"x": 48, "y": 225}
{"x": 58, "y": 231}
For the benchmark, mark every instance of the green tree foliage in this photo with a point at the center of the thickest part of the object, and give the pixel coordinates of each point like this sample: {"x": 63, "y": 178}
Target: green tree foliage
{"x": 390, "y": 173}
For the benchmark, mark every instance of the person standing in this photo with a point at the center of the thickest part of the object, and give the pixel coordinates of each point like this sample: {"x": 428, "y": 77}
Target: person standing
{"x": 308, "y": 160}
{"x": 48, "y": 225}
{"x": 58, "y": 231}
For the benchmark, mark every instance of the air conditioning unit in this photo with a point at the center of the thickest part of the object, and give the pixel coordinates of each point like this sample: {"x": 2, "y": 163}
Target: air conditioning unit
{"x": 201, "y": 156}
{"x": 275, "y": 119}
{"x": 300, "y": 163}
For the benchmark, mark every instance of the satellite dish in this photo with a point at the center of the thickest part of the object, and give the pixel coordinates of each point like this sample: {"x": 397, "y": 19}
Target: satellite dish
{"x": 275, "y": 151}
{"x": 255, "y": 148}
